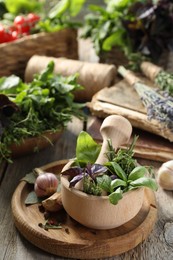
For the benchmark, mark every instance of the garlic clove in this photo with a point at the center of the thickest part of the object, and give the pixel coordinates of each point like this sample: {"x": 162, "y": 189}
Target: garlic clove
{"x": 46, "y": 184}
{"x": 165, "y": 175}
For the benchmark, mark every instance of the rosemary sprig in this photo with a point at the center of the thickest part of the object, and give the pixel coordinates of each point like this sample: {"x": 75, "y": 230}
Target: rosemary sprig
{"x": 124, "y": 157}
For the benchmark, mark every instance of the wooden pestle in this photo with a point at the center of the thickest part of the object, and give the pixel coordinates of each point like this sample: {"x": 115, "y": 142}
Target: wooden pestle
{"x": 116, "y": 128}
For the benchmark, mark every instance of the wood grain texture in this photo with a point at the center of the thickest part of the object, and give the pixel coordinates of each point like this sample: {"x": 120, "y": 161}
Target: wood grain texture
{"x": 81, "y": 242}
{"x": 148, "y": 146}
{"x": 121, "y": 99}
{"x": 14, "y": 246}
{"x": 35, "y": 144}
{"x": 116, "y": 128}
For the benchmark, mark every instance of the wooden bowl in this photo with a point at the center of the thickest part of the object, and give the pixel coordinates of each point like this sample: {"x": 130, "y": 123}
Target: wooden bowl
{"x": 96, "y": 211}
{"x": 34, "y": 144}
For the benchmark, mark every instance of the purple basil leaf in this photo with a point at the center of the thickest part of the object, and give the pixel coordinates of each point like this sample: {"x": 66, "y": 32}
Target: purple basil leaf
{"x": 73, "y": 171}
{"x": 7, "y": 107}
{"x": 113, "y": 177}
{"x": 98, "y": 168}
{"x": 75, "y": 180}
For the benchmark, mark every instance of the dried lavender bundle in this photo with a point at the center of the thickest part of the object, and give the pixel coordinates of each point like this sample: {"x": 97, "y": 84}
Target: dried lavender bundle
{"x": 159, "y": 105}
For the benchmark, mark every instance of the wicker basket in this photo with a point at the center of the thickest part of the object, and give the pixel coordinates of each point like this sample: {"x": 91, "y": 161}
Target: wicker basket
{"x": 15, "y": 55}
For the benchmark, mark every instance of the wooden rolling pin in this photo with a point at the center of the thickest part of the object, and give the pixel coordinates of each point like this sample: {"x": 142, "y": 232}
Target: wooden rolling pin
{"x": 92, "y": 76}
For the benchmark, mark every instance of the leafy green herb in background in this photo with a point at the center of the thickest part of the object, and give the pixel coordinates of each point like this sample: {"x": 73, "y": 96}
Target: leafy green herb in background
{"x": 104, "y": 27}
{"x": 47, "y": 103}
{"x": 61, "y": 16}
{"x": 22, "y": 6}
{"x": 141, "y": 29}
{"x": 55, "y": 15}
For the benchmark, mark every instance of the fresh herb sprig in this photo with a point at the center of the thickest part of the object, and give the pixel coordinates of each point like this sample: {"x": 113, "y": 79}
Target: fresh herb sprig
{"x": 124, "y": 157}
{"x": 45, "y": 104}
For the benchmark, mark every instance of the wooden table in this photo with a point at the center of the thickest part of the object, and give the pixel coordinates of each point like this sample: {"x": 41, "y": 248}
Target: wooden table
{"x": 158, "y": 246}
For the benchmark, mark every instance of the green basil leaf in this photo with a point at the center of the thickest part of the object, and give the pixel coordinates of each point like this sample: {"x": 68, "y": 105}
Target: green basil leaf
{"x": 9, "y": 84}
{"x": 18, "y": 6}
{"x": 76, "y": 6}
{"x": 113, "y": 5}
{"x": 144, "y": 182}
{"x": 137, "y": 173}
{"x": 115, "y": 196}
{"x": 114, "y": 39}
{"x": 104, "y": 29}
{"x": 59, "y": 9}
{"x": 104, "y": 183}
{"x": 117, "y": 182}
{"x": 119, "y": 171}
{"x": 87, "y": 150}
{"x": 97, "y": 8}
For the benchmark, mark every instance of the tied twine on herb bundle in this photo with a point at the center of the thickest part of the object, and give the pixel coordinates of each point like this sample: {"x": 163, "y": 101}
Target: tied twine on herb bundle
{"x": 159, "y": 104}
{"x": 162, "y": 78}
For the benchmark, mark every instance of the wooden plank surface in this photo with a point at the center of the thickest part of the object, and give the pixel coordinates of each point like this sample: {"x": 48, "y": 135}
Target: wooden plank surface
{"x": 80, "y": 241}
{"x": 122, "y": 99}
{"x": 148, "y": 145}
{"x": 159, "y": 244}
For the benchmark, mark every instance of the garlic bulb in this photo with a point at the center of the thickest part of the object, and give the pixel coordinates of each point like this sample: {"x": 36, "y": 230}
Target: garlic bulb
{"x": 46, "y": 184}
{"x": 165, "y": 175}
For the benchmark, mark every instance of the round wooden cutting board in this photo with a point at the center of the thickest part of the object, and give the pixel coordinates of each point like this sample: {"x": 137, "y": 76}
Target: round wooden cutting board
{"x": 74, "y": 240}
